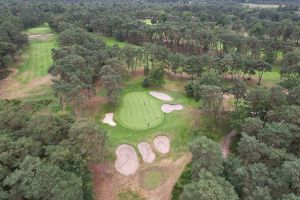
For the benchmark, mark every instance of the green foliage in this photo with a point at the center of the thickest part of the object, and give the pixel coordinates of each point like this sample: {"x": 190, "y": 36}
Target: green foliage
{"x": 46, "y": 156}
{"x": 206, "y": 157}
{"x": 184, "y": 179}
{"x": 209, "y": 187}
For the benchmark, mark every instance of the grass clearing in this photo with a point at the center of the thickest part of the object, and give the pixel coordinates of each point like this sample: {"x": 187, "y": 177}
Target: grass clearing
{"x": 36, "y": 58}
{"x": 42, "y": 29}
{"x": 129, "y": 195}
{"x": 110, "y": 41}
{"x": 147, "y": 21}
{"x": 139, "y": 111}
{"x": 152, "y": 178}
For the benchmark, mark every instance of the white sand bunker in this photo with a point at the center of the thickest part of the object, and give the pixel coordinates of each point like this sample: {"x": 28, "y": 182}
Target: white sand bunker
{"x": 109, "y": 119}
{"x": 162, "y": 144}
{"x": 160, "y": 96}
{"x": 127, "y": 161}
{"x": 168, "y": 108}
{"x": 146, "y": 151}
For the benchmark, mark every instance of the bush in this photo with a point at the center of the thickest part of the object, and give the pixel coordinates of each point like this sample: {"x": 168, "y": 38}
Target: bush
{"x": 184, "y": 179}
{"x": 146, "y": 82}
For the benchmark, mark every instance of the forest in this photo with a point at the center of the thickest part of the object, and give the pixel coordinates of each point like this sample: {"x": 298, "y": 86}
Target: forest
{"x": 217, "y": 82}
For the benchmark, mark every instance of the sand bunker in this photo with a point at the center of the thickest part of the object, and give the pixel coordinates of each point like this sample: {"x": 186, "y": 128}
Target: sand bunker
{"x": 146, "y": 151}
{"x": 168, "y": 108}
{"x": 109, "y": 119}
{"x": 127, "y": 161}
{"x": 162, "y": 144}
{"x": 160, "y": 96}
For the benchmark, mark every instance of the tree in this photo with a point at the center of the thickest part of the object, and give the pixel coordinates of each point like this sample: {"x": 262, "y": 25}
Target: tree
{"x": 212, "y": 98}
{"x": 261, "y": 67}
{"x": 88, "y": 139}
{"x": 38, "y": 180}
{"x": 294, "y": 96}
{"x": 206, "y": 157}
{"x": 209, "y": 187}
{"x": 239, "y": 90}
{"x": 251, "y": 126}
{"x": 111, "y": 81}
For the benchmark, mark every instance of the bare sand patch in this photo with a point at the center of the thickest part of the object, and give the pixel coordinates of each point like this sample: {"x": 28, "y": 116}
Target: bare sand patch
{"x": 127, "y": 161}
{"x": 162, "y": 144}
{"x": 146, "y": 151}
{"x": 109, "y": 119}
{"x": 168, "y": 108}
{"x": 160, "y": 96}
{"x": 41, "y": 37}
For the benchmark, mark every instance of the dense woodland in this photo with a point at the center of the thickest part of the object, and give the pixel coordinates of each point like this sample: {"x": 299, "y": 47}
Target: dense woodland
{"x": 208, "y": 42}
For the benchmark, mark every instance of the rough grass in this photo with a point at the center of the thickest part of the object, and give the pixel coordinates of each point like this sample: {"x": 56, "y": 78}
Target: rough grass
{"x": 152, "y": 178}
{"x": 147, "y": 21}
{"x": 43, "y": 29}
{"x": 129, "y": 195}
{"x": 36, "y": 58}
{"x": 110, "y": 41}
{"x": 139, "y": 111}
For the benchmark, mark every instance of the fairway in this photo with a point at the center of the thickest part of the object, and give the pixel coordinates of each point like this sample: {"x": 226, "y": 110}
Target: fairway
{"x": 36, "y": 58}
{"x": 139, "y": 111}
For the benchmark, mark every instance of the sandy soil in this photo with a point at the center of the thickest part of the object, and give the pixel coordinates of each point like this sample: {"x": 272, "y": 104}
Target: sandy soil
{"x": 226, "y": 143}
{"x": 162, "y": 144}
{"x": 42, "y": 37}
{"x": 108, "y": 182}
{"x": 12, "y": 89}
{"x": 160, "y": 96}
{"x": 109, "y": 119}
{"x": 127, "y": 161}
{"x": 168, "y": 108}
{"x": 146, "y": 151}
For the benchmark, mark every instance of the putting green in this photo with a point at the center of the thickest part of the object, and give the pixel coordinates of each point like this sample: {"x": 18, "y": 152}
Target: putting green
{"x": 139, "y": 111}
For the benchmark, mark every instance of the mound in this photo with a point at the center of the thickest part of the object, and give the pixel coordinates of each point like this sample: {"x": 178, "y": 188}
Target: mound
{"x": 127, "y": 162}
{"x": 109, "y": 119}
{"x": 168, "y": 108}
{"x": 160, "y": 96}
{"x": 152, "y": 178}
{"x": 162, "y": 144}
{"x": 146, "y": 151}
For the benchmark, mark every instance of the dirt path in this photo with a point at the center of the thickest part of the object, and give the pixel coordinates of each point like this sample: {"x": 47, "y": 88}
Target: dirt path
{"x": 108, "y": 182}
{"x": 226, "y": 143}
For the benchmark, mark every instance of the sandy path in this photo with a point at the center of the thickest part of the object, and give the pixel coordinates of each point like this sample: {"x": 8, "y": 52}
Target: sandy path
{"x": 108, "y": 182}
{"x": 226, "y": 143}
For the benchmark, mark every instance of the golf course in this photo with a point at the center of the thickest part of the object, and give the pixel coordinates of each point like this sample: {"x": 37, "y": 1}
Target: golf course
{"x": 36, "y": 58}
{"x": 149, "y": 100}
{"x": 139, "y": 111}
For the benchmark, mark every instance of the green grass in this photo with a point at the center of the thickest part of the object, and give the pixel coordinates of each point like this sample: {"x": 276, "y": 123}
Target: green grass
{"x": 271, "y": 78}
{"x": 36, "y": 59}
{"x": 129, "y": 195}
{"x": 139, "y": 111}
{"x": 147, "y": 21}
{"x": 110, "y": 41}
{"x": 175, "y": 125}
{"x": 152, "y": 178}
{"x": 43, "y": 29}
